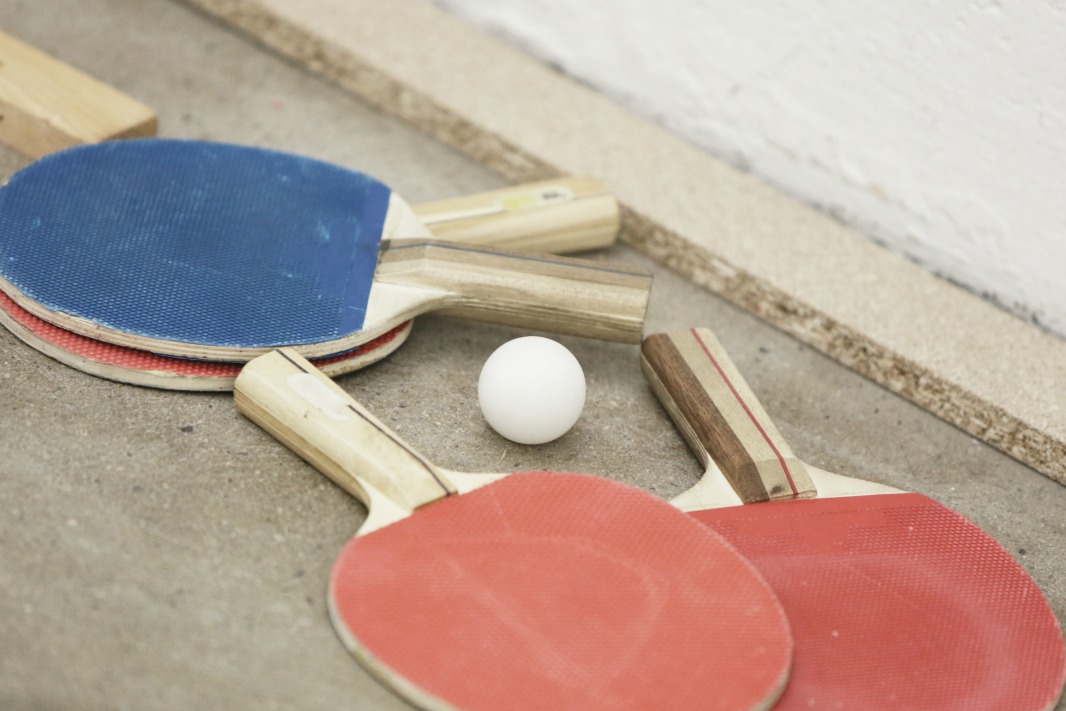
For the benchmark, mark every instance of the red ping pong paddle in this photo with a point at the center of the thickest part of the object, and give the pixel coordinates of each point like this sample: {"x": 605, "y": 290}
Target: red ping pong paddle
{"x": 562, "y": 215}
{"x": 535, "y": 590}
{"x": 895, "y": 601}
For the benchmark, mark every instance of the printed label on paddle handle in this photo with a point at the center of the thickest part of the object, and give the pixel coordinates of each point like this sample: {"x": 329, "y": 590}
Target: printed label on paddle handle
{"x": 511, "y": 202}
{"x": 535, "y": 198}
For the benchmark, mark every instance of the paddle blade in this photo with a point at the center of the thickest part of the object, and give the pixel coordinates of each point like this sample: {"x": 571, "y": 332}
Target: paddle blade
{"x": 559, "y": 591}
{"x": 193, "y": 242}
{"x": 897, "y": 601}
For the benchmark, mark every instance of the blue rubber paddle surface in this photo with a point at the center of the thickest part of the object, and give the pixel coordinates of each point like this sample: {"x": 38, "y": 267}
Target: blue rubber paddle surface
{"x": 196, "y": 242}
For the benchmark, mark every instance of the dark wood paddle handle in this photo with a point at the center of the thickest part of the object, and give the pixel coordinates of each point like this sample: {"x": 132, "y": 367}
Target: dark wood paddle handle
{"x": 720, "y": 417}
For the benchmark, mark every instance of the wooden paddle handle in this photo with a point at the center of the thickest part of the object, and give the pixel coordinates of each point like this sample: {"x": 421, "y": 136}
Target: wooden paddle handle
{"x": 566, "y": 214}
{"x": 594, "y": 299}
{"x": 720, "y": 417}
{"x": 311, "y": 415}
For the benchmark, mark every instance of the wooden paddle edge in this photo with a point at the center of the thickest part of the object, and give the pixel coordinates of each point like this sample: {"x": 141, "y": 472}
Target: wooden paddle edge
{"x": 364, "y": 356}
{"x": 377, "y": 669}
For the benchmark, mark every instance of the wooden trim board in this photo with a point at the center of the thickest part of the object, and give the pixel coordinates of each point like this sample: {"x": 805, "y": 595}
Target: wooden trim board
{"x": 46, "y": 105}
{"x": 968, "y": 362}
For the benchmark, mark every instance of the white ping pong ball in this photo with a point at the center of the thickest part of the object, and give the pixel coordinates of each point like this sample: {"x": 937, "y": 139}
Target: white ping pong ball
{"x": 531, "y": 390}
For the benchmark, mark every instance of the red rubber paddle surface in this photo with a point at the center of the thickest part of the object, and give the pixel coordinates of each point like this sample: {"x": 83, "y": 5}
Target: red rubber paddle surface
{"x": 132, "y": 359}
{"x": 896, "y": 601}
{"x": 560, "y": 591}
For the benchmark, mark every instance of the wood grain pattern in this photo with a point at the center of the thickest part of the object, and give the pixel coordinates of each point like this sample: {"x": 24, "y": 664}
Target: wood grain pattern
{"x": 705, "y": 395}
{"x": 586, "y": 298}
{"x": 311, "y": 415}
{"x": 720, "y": 417}
{"x": 46, "y": 105}
{"x": 962, "y": 359}
{"x": 566, "y": 214}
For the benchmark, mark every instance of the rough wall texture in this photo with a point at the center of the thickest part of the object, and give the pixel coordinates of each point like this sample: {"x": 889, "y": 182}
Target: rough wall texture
{"x": 936, "y": 128}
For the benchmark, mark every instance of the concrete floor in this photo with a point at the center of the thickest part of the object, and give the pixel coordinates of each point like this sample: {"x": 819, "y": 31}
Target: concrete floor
{"x": 159, "y": 551}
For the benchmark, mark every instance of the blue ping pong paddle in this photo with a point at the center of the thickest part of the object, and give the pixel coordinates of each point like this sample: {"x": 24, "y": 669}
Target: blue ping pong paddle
{"x": 221, "y": 252}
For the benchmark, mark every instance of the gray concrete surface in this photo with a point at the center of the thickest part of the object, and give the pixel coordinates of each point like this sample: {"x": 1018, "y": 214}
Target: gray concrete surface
{"x": 158, "y": 551}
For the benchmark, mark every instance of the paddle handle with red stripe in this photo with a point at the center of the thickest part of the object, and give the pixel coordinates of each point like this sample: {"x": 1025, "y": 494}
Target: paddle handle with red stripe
{"x": 720, "y": 417}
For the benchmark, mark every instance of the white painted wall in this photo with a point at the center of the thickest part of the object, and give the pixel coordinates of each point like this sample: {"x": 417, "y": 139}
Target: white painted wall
{"x": 937, "y": 127}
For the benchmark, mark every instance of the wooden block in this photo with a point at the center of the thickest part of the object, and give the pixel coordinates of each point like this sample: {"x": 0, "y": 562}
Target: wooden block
{"x": 961, "y": 358}
{"x": 46, "y": 105}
